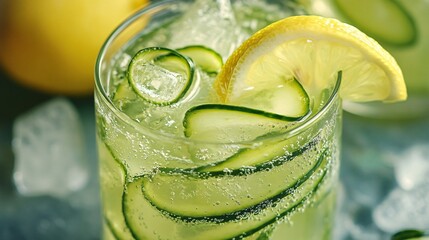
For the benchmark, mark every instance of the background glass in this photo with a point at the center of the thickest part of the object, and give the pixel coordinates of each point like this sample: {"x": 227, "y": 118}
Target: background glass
{"x": 400, "y": 26}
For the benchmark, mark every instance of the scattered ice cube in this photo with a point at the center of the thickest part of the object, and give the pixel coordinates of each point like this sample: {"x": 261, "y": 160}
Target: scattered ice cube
{"x": 365, "y": 183}
{"x": 359, "y": 225}
{"x": 353, "y": 219}
{"x": 49, "y": 148}
{"x": 404, "y": 209}
{"x": 412, "y": 166}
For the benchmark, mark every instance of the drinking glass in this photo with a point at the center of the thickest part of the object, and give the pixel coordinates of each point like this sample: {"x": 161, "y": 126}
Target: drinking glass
{"x": 156, "y": 183}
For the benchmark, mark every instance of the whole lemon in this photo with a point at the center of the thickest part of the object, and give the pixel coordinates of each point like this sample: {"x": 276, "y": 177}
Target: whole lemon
{"x": 52, "y": 45}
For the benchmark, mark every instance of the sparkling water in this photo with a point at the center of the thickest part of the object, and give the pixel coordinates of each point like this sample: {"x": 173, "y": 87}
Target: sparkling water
{"x": 154, "y": 178}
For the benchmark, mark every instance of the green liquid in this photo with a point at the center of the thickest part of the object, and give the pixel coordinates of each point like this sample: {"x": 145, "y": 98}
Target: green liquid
{"x": 150, "y": 174}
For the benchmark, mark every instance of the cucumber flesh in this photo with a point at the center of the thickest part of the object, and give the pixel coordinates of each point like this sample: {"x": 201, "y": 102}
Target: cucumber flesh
{"x": 112, "y": 178}
{"x": 288, "y": 99}
{"x": 262, "y": 158}
{"x": 206, "y": 58}
{"x": 385, "y": 20}
{"x": 228, "y": 123}
{"x": 124, "y": 92}
{"x": 160, "y": 75}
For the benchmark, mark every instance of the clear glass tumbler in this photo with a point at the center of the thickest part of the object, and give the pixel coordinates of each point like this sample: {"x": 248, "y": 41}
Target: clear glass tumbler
{"x": 157, "y": 183}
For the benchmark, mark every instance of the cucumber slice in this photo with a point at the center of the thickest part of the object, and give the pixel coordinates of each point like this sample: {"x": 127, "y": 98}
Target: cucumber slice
{"x": 410, "y": 234}
{"x": 228, "y": 123}
{"x": 234, "y": 202}
{"x": 147, "y": 222}
{"x": 124, "y": 92}
{"x": 205, "y": 58}
{"x": 160, "y": 75}
{"x": 289, "y": 98}
{"x": 112, "y": 179}
{"x": 262, "y": 158}
{"x": 107, "y": 232}
{"x": 385, "y": 20}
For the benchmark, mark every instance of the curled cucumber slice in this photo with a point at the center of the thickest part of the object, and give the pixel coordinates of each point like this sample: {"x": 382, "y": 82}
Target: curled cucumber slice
{"x": 147, "y": 196}
{"x": 233, "y": 203}
{"x": 206, "y": 58}
{"x": 160, "y": 75}
{"x": 385, "y": 20}
{"x": 124, "y": 92}
{"x": 288, "y": 99}
{"x": 228, "y": 123}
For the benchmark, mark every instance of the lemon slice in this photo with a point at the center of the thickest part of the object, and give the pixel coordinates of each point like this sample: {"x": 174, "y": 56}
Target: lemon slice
{"x": 313, "y": 50}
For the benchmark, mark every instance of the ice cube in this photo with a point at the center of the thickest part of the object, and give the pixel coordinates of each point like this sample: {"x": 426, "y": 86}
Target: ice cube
{"x": 361, "y": 226}
{"x": 404, "y": 209}
{"x": 49, "y": 148}
{"x": 354, "y": 219}
{"x": 412, "y": 166}
{"x": 211, "y": 23}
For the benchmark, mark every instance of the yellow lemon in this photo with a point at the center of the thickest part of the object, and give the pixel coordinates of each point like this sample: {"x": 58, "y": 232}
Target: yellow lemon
{"x": 51, "y": 45}
{"x": 313, "y": 50}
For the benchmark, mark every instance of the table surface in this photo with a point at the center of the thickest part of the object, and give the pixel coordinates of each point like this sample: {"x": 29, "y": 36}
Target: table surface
{"x": 369, "y": 149}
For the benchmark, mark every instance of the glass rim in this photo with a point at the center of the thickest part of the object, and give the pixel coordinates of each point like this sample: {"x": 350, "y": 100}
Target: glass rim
{"x": 145, "y": 130}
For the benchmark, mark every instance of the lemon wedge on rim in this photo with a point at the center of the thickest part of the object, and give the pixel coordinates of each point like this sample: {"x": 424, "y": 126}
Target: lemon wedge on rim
{"x": 312, "y": 49}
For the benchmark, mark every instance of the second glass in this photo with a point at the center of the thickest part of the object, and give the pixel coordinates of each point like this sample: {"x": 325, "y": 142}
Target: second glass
{"x": 400, "y": 26}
